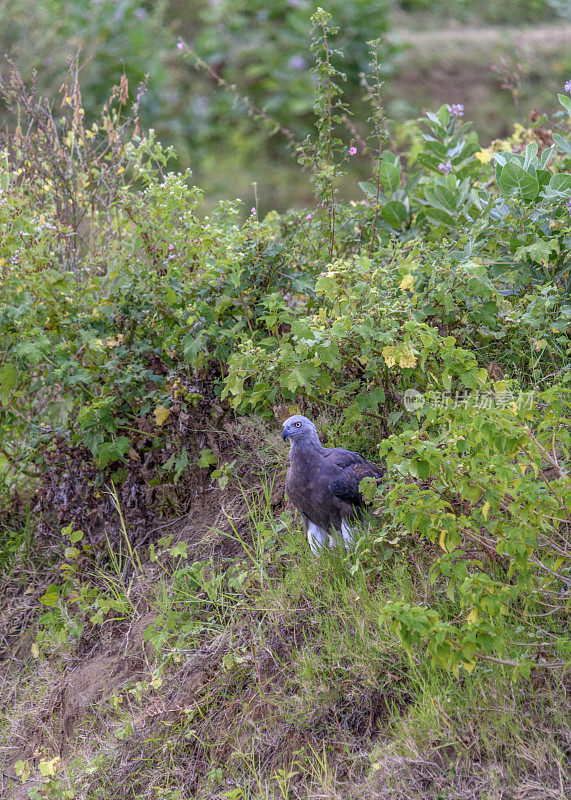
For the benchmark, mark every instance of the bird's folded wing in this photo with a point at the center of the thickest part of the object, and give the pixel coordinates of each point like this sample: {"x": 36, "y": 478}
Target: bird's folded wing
{"x": 351, "y": 469}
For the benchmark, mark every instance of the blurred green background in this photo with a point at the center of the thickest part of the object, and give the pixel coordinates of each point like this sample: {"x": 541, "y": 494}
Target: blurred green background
{"x": 499, "y": 59}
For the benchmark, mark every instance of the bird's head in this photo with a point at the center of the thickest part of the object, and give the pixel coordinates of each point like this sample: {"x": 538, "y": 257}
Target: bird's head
{"x": 298, "y": 428}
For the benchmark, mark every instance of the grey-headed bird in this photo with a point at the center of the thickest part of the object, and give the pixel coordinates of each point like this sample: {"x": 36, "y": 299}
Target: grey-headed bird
{"x": 323, "y": 483}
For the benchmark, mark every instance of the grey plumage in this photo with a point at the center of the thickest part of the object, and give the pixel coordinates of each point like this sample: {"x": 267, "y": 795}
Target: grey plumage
{"x": 323, "y": 483}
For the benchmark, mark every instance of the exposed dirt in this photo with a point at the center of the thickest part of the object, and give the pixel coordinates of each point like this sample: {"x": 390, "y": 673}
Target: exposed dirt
{"x": 458, "y": 37}
{"x": 109, "y": 657}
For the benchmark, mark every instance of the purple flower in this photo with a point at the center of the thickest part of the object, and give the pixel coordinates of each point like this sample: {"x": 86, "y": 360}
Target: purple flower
{"x": 457, "y": 110}
{"x": 171, "y": 246}
{"x": 308, "y": 216}
{"x": 253, "y": 210}
{"x": 353, "y": 151}
{"x": 569, "y": 205}
{"x": 568, "y": 86}
{"x": 445, "y": 168}
{"x": 180, "y": 45}
{"x": 297, "y": 62}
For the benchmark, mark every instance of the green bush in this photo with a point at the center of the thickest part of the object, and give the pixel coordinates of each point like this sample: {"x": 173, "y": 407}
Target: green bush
{"x": 125, "y": 310}
{"x": 262, "y": 48}
{"x": 107, "y": 38}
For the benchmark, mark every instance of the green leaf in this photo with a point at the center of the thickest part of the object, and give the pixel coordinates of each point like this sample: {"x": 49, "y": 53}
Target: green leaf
{"x": 122, "y": 445}
{"x": 394, "y": 213}
{"x": 540, "y": 250}
{"x": 431, "y": 162}
{"x": 107, "y": 452}
{"x": 23, "y": 770}
{"x": 438, "y": 215}
{"x": 119, "y": 475}
{"x": 436, "y": 148}
{"x": 530, "y": 155}
{"x": 560, "y": 182}
{"x": 443, "y": 115}
{"x": 179, "y": 550}
{"x": 368, "y": 488}
{"x": 371, "y": 190}
{"x": 563, "y": 144}
{"x": 34, "y": 351}
{"x": 300, "y": 376}
{"x": 389, "y": 176}
{"x": 565, "y": 102}
{"x": 182, "y": 462}
{"x": 192, "y": 346}
{"x": 207, "y": 458}
{"x": 51, "y": 596}
{"x": 8, "y": 379}
{"x": 370, "y": 399}
{"x": 515, "y": 180}
{"x": 441, "y": 196}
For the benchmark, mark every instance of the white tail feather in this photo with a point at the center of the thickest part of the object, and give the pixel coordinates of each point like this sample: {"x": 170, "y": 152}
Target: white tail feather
{"x": 347, "y": 534}
{"x": 316, "y": 537}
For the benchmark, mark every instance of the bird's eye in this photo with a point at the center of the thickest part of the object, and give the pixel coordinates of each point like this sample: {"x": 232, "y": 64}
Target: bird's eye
{"x": 298, "y": 424}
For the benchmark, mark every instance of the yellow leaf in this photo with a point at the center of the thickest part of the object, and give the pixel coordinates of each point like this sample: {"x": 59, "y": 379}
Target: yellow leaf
{"x": 407, "y": 359}
{"x": 442, "y": 539}
{"x": 473, "y": 615}
{"x": 540, "y": 344}
{"x": 485, "y": 510}
{"x": 35, "y": 650}
{"x": 469, "y": 666}
{"x": 49, "y": 768}
{"x": 484, "y": 156}
{"x": 113, "y": 341}
{"x": 120, "y": 170}
{"x": 407, "y": 283}
{"x": 161, "y": 415}
{"x": 389, "y": 356}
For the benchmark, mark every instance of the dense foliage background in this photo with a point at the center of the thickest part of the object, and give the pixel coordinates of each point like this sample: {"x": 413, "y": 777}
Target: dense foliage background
{"x": 431, "y": 53}
{"x": 148, "y": 342}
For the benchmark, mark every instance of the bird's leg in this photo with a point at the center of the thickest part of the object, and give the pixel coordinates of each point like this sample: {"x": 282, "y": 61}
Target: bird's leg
{"x": 316, "y": 537}
{"x": 347, "y": 534}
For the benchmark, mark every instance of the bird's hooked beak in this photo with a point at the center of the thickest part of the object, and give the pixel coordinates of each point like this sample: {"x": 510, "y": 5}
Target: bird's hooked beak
{"x": 285, "y": 435}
